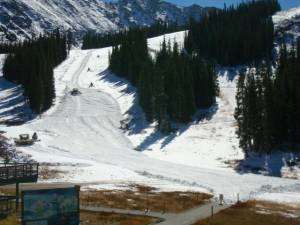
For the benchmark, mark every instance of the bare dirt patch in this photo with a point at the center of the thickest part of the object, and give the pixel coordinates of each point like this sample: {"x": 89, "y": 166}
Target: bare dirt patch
{"x": 256, "y": 212}
{"x": 47, "y": 173}
{"x": 5, "y": 190}
{"x": 143, "y": 198}
{"x": 12, "y": 219}
{"x": 89, "y": 218}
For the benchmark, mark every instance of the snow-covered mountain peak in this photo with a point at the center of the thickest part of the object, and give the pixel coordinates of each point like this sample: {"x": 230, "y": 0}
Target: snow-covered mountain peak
{"x": 288, "y": 22}
{"x": 286, "y": 15}
{"x": 20, "y": 19}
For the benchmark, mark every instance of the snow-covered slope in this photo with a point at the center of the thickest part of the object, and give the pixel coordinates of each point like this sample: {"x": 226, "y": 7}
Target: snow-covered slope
{"x": 12, "y": 101}
{"x": 81, "y": 136}
{"x": 26, "y": 18}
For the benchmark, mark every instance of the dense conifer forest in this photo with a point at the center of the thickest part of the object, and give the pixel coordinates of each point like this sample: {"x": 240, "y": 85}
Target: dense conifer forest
{"x": 172, "y": 86}
{"x": 92, "y": 40}
{"x": 235, "y": 35}
{"x": 31, "y": 64}
{"x": 268, "y": 104}
{"x": 6, "y": 48}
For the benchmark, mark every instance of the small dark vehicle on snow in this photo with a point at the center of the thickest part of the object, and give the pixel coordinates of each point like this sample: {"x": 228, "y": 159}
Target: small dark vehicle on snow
{"x": 24, "y": 140}
{"x": 75, "y": 92}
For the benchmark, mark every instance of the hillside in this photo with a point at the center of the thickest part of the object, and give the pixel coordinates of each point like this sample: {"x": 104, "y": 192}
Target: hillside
{"x": 21, "y": 19}
{"x": 82, "y": 140}
{"x": 288, "y": 21}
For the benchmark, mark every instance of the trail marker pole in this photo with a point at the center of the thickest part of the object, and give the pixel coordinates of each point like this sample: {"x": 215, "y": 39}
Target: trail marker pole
{"x": 221, "y": 199}
{"x": 17, "y": 197}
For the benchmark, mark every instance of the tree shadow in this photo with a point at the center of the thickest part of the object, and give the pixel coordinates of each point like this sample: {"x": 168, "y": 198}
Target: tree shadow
{"x": 13, "y": 106}
{"x": 117, "y": 81}
{"x": 136, "y": 118}
{"x": 266, "y": 164}
{"x": 178, "y": 128}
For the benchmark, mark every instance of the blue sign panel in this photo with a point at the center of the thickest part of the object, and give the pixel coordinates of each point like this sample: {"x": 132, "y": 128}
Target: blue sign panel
{"x": 51, "y": 207}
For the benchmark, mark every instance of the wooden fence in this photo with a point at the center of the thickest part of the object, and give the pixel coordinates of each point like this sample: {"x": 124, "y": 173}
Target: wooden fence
{"x": 18, "y": 173}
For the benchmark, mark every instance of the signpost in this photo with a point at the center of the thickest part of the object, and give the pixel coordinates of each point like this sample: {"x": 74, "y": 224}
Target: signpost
{"x": 51, "y": 207}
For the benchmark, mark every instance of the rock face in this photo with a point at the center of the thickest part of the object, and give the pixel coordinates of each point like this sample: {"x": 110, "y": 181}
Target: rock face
{"x": 21, "y": 19}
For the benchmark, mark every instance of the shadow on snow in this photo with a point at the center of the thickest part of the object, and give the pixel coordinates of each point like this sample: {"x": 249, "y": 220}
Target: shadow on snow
{"x": 13, "y": 105}
{"x": 275, "y": 164}
{"x": 137, "y": 120}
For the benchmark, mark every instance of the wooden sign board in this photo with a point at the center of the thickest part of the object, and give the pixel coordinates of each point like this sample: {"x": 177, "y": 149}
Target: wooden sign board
{"x": 51, "y": 207}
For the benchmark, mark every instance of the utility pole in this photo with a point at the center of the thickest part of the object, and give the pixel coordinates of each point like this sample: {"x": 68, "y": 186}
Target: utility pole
{"x": 17, "y": 196}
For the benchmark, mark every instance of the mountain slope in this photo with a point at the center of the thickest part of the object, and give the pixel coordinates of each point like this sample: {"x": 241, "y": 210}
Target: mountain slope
{"x": 81, "y": 136}
{"x": 288, "y": 22}
{"x": 21, "y": 19}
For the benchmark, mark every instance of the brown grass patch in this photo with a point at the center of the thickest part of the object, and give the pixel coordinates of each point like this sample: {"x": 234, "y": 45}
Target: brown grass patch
{"x": 90, "y": 218}
{"x": 256, "y": 212}
{"x": 5, "y": 190}
{"x": 142, "y": 197}
{"x": 12, "y": 219}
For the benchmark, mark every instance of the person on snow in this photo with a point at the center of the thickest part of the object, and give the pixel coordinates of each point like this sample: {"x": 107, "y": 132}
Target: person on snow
{"x": 35, "y": 136}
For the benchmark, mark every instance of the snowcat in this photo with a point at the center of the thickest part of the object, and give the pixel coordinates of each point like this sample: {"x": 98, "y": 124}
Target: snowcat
{"x": 24, "y": 140}
{"x": 75, "y": 92}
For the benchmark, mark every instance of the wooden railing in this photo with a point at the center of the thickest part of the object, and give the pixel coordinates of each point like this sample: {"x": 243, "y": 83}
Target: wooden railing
{"x": 13, "y": 173}
{"x": 7, "y": 205}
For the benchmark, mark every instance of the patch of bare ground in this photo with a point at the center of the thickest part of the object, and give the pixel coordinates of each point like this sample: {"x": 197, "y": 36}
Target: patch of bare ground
{"x": 142, "y": 198}
{"x": 47, "y": 173}
{"x": 12, "y": 219}
{"x": 5, "y": 190}
{"x": 89, "y": 218}
{"x": 256, "y": 212}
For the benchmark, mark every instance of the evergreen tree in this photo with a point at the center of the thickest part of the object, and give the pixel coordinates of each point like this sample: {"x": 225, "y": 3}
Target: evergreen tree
{"x": 240, "y": 110}
{"x": 93, "y": 40}
{"x": 268, "y": 105}
{"x": 234, "y": 35}
{"x": 171, "y": 86}
{"x": 31, "y": 64}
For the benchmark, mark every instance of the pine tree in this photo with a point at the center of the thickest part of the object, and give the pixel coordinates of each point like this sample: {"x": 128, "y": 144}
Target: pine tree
{"x": 240, "y": 110}
{"x": 166, "y": 85}
{"x": 234, "y": 35}
{"x": 31, "y": 64}
{"x": 268, "y": 113}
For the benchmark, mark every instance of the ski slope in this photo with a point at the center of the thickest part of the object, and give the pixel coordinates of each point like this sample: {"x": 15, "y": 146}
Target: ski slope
{"x": 81, "y": 137}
